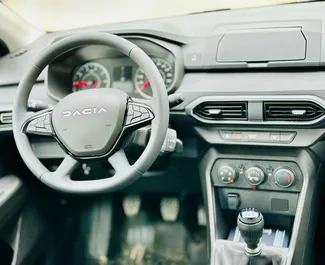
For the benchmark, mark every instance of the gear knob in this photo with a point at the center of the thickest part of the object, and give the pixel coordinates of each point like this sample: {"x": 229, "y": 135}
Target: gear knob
{"x": 250, "y": 223}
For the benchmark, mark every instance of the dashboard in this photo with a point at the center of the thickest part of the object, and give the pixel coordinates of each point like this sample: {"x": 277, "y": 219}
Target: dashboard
{"x": 93, "y": 67}
{"x": 253, "y": 84}
{"x": 203, "y": 57}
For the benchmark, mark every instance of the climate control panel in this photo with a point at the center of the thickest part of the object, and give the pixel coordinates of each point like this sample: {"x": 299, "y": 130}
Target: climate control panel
{"x": 257, "y": 175}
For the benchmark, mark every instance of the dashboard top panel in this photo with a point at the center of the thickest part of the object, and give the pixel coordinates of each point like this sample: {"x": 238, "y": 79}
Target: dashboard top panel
{"x": 191, "y": 44}
{"x": 192, "y": 33}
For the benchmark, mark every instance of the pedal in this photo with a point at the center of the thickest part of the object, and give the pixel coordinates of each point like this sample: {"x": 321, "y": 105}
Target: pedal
{"x": 201, "y": 216}
{"x": 140, "y": 235}
{"x": 169, "y": 209}
{"x": 137, "y": 254}
{"x": 131, "y": 205}
{"x": 96, "y": 230}
{"x": 171, "y": 242}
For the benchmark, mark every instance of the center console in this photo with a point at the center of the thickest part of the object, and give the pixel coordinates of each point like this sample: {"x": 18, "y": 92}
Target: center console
{"x": 282, "y": 183}
{"x": 270, "y": 186}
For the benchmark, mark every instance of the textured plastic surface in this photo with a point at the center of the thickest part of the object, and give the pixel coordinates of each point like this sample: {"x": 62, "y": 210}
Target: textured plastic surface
{"x": 30, "y": 236}
{"x": 271, "y": 237}
{"x": 262, "y": 45}
{"x": 12, "y": 196}
{"x": 261, "y": 200}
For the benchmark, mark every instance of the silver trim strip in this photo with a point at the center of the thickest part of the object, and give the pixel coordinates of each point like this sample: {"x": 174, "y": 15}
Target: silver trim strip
{"x": 253, "y": 252}
{"x": 190, "y": 107}
{"x": 6, "y": 128}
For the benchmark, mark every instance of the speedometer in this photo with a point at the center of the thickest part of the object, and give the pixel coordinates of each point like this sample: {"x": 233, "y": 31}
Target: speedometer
{"x": 142, "y": 84}
{"x": 90, "y": 75}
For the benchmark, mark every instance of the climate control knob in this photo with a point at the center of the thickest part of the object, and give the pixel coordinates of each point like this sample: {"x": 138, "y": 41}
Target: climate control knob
{"x": 227, "y": 174}
{"x": 284, "y": 177}
{"x": 254, "y": 176}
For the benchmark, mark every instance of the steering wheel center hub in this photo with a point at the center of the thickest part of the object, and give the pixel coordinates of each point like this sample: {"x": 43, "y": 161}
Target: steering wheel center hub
{"x": 88, "y": 123}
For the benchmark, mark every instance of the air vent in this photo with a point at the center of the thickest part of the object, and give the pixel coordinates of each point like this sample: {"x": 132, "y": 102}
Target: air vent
{"x": 292, "y": 111}
{"x": 222, "y": 110}
{"x": 6, "y": 118}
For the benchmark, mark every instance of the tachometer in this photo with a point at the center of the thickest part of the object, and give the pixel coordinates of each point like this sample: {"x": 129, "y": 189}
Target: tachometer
{"x": 90, "y": 75}
{"x": 142, "y": 84}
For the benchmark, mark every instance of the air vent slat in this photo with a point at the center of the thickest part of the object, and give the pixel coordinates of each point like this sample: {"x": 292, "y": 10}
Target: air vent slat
{"x": 222, "y": 110}
{"x": 5, "y": 118}
{"x": 292, "y": 111}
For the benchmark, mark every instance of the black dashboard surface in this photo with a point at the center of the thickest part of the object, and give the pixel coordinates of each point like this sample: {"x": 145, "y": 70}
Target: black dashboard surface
{"x": 190, "y": 32}
{"x": 190, "y": 39}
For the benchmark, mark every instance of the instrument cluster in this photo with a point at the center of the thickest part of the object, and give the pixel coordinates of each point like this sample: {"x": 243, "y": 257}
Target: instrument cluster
{"x": 121, "y": 74}
{"x": 98, "y": 67}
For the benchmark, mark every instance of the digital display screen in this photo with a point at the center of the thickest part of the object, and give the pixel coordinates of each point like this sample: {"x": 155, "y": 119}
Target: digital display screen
{"x": 122, "y": 78}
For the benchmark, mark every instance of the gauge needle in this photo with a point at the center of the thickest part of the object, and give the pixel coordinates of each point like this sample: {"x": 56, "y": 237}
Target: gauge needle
{"x": 80, "y": 83}
{"x": 146, "y": 84}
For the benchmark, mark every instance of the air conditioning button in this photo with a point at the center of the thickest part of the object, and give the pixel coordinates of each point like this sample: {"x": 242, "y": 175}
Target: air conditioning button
{"x": 226, "y": 135}
{"x": 287, "y": 137}
{"x": 256, "y": 137}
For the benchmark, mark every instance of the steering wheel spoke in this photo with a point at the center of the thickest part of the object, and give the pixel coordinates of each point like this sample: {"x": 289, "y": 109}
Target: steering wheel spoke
{"x": 64, "y": 170}
{"x": 38, "y": 123}
{"x": 119, "y": 161}
{"x": 66, "y": 167}
{"x": 138, "y": 115}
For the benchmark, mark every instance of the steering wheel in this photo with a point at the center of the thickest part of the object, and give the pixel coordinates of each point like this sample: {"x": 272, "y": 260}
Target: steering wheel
{"x": 92, "y": 124}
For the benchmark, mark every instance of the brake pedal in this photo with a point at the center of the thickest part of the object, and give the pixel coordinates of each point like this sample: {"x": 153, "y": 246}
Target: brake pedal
{"x": 131, "y": 205}
{"x": 201, "y": 216}
{"x": 169, "y": 208}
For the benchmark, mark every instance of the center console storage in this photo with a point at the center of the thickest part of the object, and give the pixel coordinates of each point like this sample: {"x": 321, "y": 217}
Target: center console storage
{"x": 282, "y": 183}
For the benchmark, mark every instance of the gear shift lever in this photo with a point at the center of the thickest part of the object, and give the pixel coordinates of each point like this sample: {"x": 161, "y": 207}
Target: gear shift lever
{"x": 251, "y": 223}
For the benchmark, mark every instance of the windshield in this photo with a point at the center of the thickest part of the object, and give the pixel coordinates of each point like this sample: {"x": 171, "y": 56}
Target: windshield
{"x": 54, "y": 15}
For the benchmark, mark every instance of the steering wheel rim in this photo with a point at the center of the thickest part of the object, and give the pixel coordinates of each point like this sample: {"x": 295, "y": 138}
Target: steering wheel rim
{"x": 125, "y": 173}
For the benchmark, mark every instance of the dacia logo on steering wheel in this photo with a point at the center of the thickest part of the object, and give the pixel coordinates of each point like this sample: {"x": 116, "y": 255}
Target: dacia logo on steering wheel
{"x": 86, "y": 111}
